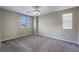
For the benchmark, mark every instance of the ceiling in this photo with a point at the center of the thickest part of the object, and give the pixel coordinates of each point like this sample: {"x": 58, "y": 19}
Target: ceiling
{"x": 27, "y": 10}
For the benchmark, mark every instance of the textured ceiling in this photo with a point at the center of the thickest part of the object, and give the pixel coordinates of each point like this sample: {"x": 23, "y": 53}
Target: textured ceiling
{"x": 27, "y": 10}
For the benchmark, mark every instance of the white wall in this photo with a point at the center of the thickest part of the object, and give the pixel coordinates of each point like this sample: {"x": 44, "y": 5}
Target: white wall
{"x": 78, "y": 23}
{"x": 35, "y": 25}
{"x": 0, "y": 25}
{"x": 10, "y": 28}
{"x": 51, "y": 26}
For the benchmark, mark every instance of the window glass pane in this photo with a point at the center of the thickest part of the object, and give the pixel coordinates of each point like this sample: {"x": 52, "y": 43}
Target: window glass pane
{"x": 24, "y": 22}
{"x": 67, "y": 21}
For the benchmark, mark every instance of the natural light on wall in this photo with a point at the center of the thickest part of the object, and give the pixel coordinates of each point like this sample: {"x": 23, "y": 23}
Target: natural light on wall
{"x": 67, "y": 21}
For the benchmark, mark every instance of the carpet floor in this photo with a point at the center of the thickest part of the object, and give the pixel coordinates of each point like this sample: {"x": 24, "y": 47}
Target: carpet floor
{"x": 33, "y": 43}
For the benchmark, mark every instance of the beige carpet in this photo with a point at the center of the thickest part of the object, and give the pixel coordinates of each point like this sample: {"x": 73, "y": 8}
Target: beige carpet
{"x": 37, "y": 44}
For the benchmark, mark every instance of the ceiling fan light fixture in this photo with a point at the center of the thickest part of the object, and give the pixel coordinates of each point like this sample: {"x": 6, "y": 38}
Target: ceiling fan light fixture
{"x": 36, "y": 11}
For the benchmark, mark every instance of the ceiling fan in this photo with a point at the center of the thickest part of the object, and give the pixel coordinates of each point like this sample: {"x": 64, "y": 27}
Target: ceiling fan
{"x": 36, "y": 10}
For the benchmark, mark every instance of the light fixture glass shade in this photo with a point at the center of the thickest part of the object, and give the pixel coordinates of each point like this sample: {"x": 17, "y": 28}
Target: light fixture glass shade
{"x": 36, "y": 12}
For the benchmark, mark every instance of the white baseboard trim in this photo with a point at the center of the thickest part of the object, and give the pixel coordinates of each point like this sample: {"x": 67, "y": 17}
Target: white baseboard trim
{"x": 66, "y": 40}
{"x": 61, "y": 39}
{"x": 14, "y": 37}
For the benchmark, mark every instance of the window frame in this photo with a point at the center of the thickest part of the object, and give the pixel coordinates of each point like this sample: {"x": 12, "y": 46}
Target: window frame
{"x": 67, "y": 23}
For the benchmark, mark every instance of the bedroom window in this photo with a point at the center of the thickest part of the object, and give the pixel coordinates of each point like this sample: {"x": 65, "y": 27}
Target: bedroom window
{"x": 67, "y": 21}
{"x": 24, "y": 22}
